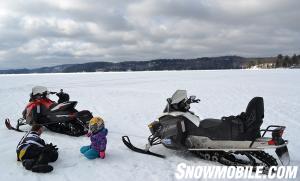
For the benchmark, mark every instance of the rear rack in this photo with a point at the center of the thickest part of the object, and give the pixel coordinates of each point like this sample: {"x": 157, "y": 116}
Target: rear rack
{"x": 271, "y": 129}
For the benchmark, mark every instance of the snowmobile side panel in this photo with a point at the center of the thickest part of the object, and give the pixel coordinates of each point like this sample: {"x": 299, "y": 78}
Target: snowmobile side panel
{"x": 205, "y": 143}
{"x": 64, "y": 106}
{"x": 171, "y": 132}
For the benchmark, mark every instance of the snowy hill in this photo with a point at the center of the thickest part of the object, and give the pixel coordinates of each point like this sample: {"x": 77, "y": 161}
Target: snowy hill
{"x": 128, "y": 101}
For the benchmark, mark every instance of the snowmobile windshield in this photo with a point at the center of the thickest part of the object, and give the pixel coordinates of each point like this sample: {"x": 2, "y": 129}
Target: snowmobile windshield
{"x": 39, "y": 90}
{"x": 178, "y": 102}
{"x": 179, "y": 96}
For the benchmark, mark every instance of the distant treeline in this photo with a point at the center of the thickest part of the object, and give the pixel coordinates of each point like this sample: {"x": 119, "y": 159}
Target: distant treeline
{"x": 204, "y": 63}
{"x": 281, "y": 61}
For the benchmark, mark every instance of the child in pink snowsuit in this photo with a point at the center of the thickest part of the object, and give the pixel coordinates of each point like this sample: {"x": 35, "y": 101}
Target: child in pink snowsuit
{"x": 97, "y": 133}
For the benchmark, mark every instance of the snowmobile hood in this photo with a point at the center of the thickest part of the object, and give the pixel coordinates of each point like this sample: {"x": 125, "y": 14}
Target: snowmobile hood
{"x": 179, "y": 96}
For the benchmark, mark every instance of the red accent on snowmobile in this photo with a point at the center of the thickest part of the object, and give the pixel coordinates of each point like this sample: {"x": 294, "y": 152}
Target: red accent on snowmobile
{"x": 271, "y": 142}
{"x": 44, "y": 101}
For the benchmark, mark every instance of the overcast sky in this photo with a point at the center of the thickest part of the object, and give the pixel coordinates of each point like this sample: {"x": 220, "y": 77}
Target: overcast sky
{"x": 35, "y": 33}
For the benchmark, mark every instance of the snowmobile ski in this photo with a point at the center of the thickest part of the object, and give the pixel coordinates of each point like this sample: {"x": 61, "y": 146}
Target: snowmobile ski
{"x": 10, "y": 127}
{"x": 20, "y": 123}
{"x": 127, "y": 142}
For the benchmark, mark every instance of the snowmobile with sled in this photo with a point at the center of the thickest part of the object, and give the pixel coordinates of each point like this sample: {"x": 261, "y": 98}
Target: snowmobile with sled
{"x": 234, "y": 140}
{"x": 61, "y": 117}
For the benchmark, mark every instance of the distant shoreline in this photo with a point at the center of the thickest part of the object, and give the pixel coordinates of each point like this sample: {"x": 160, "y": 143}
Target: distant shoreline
{"x": 146, "y": 71}
{"x": 204, "y": 63}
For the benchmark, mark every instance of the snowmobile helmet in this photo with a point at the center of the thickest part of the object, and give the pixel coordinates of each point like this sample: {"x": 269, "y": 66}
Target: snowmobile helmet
{"x": 96, "y": 124}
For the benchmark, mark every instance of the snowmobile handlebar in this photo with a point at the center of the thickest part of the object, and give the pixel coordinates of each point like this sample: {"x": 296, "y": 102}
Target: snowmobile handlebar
{"x": 193, "y": 99}
{"x": 61, "y": 92}
{"x": 62, "y": 95}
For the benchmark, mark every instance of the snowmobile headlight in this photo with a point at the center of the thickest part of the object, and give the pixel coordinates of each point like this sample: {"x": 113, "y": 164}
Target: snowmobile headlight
{"x": 154, "y": 126}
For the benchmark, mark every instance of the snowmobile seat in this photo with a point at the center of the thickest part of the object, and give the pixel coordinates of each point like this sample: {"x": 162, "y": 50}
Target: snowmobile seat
{"x": 208, "y": 123}
{"x": 215, "y": 129}
{"x": 242, "y": 127}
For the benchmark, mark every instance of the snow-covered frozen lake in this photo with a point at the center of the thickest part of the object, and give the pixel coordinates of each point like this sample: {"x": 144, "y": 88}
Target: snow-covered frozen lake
{"x": 128, "y": 101}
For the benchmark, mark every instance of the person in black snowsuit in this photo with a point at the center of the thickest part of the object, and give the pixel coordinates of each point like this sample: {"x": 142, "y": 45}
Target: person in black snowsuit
{"x": 34, "y": 153}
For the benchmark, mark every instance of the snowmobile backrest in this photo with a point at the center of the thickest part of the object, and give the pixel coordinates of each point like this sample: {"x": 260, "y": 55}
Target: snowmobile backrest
{"x": 63, "y": 97}
{"x": 254, "y": 118}
{"x": 256, "y": 108}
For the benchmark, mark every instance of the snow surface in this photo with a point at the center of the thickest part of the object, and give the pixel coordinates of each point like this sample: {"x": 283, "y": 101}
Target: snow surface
{"x": 128, "y": 102}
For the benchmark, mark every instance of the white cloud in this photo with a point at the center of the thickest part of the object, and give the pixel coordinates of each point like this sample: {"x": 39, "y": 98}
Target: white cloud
{"x": 49, "y": 32}
{"x": 70, "y": 4}
{"x": 35, "y": 46}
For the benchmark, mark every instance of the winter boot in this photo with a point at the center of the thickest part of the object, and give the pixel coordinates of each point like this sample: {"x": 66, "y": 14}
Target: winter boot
{"x": 41, "y": 163}
{"x": 42, "y": 168}
{"x": 28, "y": 163}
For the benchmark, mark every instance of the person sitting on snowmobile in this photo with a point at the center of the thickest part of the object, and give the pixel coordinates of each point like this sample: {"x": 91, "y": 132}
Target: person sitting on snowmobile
{"x": 98, "y": 139}
{"x": 40, "y": 95}
{"x": 34, "y": 153}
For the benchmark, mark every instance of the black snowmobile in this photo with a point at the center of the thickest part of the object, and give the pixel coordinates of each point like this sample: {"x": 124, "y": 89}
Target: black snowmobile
{"x": 218, "y": 140}
{"x": 60, "y": 117}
